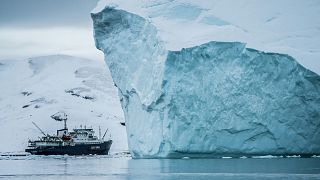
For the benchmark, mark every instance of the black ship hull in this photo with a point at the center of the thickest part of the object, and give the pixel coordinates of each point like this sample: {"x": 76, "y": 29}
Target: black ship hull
{"x": 78, "y": 149}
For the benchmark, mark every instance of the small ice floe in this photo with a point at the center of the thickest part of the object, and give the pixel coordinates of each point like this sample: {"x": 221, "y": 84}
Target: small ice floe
{"x": 315, "y": 156}
{"x": 186, "y": 157}
{"x": 122, "y": 154}
{"x": 294, "y": 156}
{"x": 243, "y": 157}
{"x": 266, "y": 157}
{"x": 226, "y": 157}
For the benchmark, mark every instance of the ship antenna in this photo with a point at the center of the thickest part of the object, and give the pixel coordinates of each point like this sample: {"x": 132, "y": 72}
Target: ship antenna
{"x": 39, "y": 128}
{"x": 99, "y": 133}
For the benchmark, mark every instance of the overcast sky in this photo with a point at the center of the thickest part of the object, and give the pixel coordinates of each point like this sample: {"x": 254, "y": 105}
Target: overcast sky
{"x": 42, "y": 27}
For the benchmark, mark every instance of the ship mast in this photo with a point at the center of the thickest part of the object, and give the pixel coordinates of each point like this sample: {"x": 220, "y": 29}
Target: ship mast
{"x": 39, "y": 129}
{"x": 104, "y": 134}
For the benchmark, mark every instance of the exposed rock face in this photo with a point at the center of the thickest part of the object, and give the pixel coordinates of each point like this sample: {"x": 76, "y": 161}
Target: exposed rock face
{"x": 215, "y": 99}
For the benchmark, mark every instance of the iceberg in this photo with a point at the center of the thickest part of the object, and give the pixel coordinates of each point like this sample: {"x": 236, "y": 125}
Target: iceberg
{"x": 204, "y": 98}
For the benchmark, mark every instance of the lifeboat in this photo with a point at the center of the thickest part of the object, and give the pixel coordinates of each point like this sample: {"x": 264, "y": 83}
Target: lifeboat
{"x": 66, "y": 137}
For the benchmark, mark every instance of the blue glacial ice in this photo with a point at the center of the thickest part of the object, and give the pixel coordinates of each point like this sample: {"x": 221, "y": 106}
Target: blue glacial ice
{"x": 213, "y": 99}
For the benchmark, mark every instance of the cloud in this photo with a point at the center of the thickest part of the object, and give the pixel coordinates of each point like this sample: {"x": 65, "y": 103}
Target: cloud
{"x": 45, "y": 27}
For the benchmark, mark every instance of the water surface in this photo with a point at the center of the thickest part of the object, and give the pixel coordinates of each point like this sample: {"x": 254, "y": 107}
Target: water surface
{"x": 107, "y": 167}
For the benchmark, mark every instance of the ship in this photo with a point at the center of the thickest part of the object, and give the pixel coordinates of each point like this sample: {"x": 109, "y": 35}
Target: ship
{"x": 80, "y": 141}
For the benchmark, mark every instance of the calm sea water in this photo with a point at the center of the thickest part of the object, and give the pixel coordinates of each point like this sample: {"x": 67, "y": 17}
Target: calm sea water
{"x": 107, "y": 167}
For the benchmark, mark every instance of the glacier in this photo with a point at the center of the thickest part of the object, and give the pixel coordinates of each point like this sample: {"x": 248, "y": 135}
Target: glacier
{"x": 204, "y": 98}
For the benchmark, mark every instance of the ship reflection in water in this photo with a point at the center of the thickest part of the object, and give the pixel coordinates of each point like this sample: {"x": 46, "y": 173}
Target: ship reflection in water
{"x": 110, "y": 167}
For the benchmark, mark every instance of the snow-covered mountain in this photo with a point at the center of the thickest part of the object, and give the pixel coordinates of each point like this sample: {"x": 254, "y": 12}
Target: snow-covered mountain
{"x": 36, "y": 88}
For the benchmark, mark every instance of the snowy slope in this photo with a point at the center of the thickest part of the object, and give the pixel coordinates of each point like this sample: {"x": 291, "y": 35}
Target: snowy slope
{"x": 36, "y": 88}
{"x": 287, "y": 26}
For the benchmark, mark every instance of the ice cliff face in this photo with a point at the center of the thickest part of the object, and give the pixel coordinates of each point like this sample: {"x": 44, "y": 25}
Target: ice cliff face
{"x": 210, "y": 99}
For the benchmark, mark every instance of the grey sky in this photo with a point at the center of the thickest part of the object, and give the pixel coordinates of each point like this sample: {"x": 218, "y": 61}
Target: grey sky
{"x": 30, "y": 28}
{"x": 39, "y": 13}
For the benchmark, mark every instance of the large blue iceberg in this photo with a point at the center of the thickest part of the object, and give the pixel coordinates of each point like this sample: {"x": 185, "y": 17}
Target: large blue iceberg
{"x": 214, "y": 99}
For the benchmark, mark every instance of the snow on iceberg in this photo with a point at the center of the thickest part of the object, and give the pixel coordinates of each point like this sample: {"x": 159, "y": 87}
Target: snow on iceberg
{"x": 211, "y": 99}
